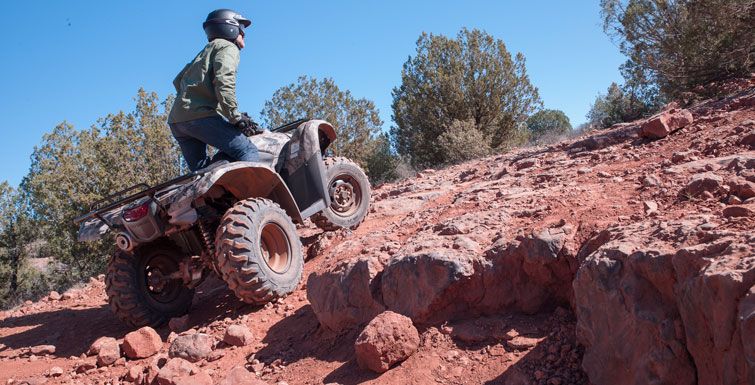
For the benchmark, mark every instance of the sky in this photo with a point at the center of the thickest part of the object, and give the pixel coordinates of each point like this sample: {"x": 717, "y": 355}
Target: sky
{"x": 76, "y": 61}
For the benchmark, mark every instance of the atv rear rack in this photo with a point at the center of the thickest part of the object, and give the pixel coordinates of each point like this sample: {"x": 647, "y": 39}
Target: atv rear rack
{"x": 109, "y": 202}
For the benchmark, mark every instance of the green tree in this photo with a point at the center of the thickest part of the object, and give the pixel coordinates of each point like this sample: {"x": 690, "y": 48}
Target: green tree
{"x": 470, "y": 78}
{"x": 677, "y": 45}
{"x": 17, "y": 232}
{"x": 548, "y": 122}
{"x": 356, "y": 121}
{"x": 462, "y": 141}
{"x": 72, "y": 169}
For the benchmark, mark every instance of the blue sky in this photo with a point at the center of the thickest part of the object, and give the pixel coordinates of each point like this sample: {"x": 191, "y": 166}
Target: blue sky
{"x": 80, "y": 60}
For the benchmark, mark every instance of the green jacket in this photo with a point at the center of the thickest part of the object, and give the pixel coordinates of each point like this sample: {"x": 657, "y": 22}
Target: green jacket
{"x": 207, "y": 85}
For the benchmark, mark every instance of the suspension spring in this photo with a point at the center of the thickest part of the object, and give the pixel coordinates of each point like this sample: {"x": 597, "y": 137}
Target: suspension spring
{"x": 209, "y": 243}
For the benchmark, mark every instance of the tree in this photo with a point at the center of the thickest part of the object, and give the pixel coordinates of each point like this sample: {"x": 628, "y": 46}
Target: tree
{"x": 618, "y": 106}
{"x": 678, "y": 45}
{"x": 356, "y": 121}
{"x": 548, "y": 122}
{"x": 72, "y": 169}
{"x": 470, "y": 78}
{"x": 462, "y": 141}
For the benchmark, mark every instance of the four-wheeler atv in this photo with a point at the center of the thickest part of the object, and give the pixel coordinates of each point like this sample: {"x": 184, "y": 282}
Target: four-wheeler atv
{"x": 236, "y": 219}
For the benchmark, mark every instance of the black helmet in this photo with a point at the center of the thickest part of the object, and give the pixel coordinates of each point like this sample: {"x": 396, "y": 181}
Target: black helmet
{"x": 225, "y": 24}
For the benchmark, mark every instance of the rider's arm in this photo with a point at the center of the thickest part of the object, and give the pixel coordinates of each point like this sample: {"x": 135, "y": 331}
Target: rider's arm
{"x": 177, "y": 80}
{"x": 224, "y": 64}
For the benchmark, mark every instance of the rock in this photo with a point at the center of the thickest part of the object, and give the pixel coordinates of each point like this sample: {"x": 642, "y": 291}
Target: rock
{"x": 650, "y": 207}
{"x": 664, "y": 123}
{"x": 702, "y": 183}
{"x": 649, "y": 180}
{"x": 626, "y": 288}
{"x": 109, "y": 351}
{"x": 523, "y": 343}
{"x": 178, "y": 371}
{"x": 342, "y": 297}
{"x": 584, "y": 170}
{"x": 85, "y": 367}
{"x": 435, "y": 280}
{"x": 179, "y": 324}
{"x": 94, "y": 348}
{"x": 142, "y": 343}
{"x": 54, "y": 296}
{"x": 56, "y": 371}
{"x": 604, "y": 174}
{"x": 739, "y": 211}
{"x": 388, "y": 339}
{"x": 714, "y": 290}
{"x": 748, "y": 141}
{"x": 238, "y": 335}
{"x": 192, "y": 347}
{"x": 240, "y": 376}
{"x": 742, "y": 188}
{"x": 41, "y": 350}
{"x": 526, "y": 163}
{"x": 681, "y": 306}
{"x": 135, "y": 374}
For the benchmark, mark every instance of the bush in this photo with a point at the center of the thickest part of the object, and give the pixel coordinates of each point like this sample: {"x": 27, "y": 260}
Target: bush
{"x": 462, "y": 141}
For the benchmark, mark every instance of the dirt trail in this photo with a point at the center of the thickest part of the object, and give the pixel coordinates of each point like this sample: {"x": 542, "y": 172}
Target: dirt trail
{"x": 589, "y": 184}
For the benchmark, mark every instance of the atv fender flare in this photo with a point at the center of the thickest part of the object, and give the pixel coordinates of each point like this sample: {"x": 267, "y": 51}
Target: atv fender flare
{"x": 243, "y": 180}
{"x": 321, "y": 126}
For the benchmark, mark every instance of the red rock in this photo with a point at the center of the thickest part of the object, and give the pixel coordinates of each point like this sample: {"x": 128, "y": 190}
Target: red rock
{"x": 135, "y": 374}
{"x": 54, "y": 296}
{"x": 192, "y": 347}
{"x": 109, "y": 351}
{"x": 94, "y": 348}
{"x": 342, "y": 297}
{"x": 739, "y": 211}
{"x": 56, "y": 371}
{"x": 388, "y": 339}
{"x": 240, "y": 376}
{"x": 41, "y": 350}
{"x": 142, "y": 343}
{"x": 664, "y": 123}
{"x": 178, "y": 371}
{"x": 238, "y": 335}
{"x": 742, "y": 188}
{"x": 702, "y": 183}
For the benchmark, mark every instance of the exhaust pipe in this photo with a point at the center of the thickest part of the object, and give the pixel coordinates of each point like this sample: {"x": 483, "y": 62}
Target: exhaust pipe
{"x": 124, "y": 242}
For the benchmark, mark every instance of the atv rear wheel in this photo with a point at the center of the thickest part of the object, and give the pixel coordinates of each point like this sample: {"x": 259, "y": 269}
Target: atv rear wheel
{"x": 139, "y": 290}
{"x": 259, "y": 254}
{"x": 349, "y": 191}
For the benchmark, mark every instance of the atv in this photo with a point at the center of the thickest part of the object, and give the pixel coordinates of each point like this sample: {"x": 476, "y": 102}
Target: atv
{"x": 236, "y": 219}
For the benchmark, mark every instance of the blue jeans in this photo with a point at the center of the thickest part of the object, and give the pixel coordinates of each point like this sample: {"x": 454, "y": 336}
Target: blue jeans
{"x": 194, "y": 136}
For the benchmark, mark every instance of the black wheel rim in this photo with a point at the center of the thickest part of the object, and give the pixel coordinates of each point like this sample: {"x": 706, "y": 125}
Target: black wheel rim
{"x": 157, "y": 284}
{"x": 345, "y": 195}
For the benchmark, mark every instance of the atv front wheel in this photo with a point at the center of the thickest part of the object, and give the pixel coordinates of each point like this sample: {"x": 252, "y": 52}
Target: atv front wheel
{"x": 259, "y": 254}
{"x": 349, "y": 191}
{"x": 139, "y": 290}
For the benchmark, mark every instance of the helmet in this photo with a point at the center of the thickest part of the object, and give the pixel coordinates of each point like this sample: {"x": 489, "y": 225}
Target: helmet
{"x": 225, "y": 24}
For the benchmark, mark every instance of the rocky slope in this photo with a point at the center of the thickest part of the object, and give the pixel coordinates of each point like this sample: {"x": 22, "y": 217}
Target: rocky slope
{"x": 622, "y": 257}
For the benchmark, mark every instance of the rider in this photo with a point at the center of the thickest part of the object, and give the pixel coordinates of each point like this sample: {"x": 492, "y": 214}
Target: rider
{"x": 206, "y": 89}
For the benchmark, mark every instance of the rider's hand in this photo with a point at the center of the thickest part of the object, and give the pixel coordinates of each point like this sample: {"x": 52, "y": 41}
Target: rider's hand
{"x": 247, "y": 126}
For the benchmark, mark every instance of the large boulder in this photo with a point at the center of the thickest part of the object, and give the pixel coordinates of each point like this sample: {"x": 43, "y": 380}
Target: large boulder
{"x": 388, "y": 339}
{"x": 626, "y": 314}
{"x": 238, "y": 335}
{"x": 661, "y": 125}
{"x": 142, "y": 343}
{"x": 702, "y": 183}
{"x": 714, "y": 281}
{"x": 682, "y": 298}
{"x": 346, "y": 296}
{"x": 431, "y": 286}
{"x": 191, "y": 347}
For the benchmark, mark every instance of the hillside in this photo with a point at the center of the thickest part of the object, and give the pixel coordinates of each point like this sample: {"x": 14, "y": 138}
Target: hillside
{"x": 613, "y": 258}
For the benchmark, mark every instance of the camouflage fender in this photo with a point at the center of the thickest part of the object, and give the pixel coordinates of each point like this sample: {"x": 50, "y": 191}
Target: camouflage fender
{"x": 243, "y": 180}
